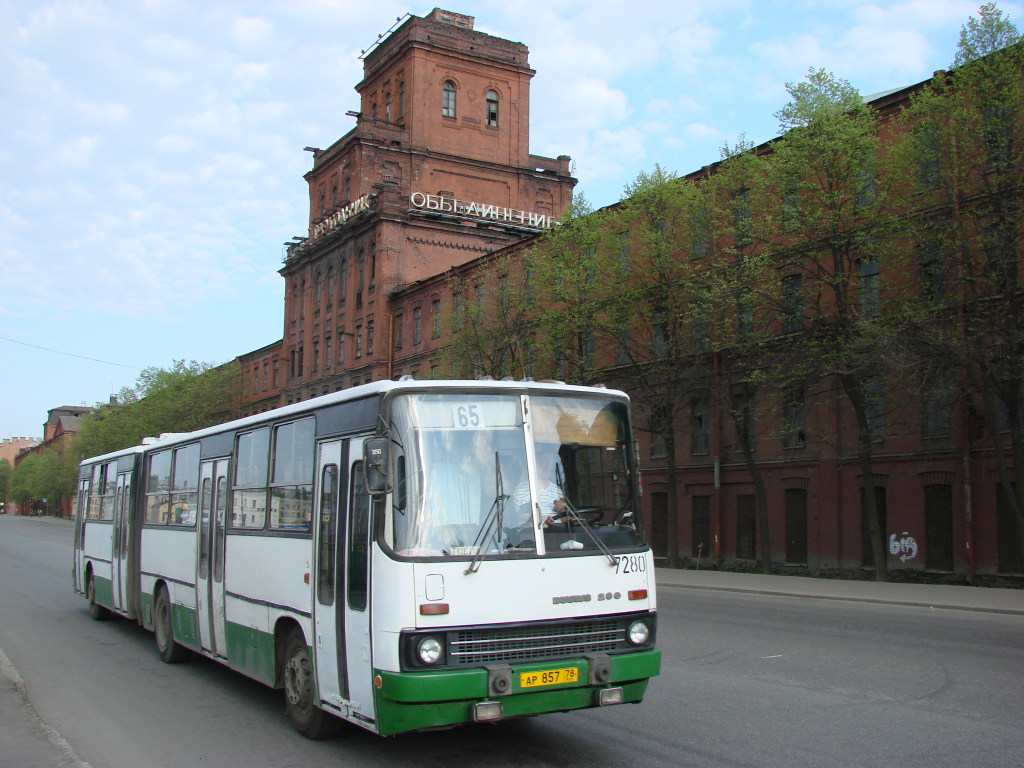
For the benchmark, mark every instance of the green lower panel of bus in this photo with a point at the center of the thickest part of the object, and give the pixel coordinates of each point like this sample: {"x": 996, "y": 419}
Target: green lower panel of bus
{"x": 103, "y": 590}
{"x": 414, "y": 701}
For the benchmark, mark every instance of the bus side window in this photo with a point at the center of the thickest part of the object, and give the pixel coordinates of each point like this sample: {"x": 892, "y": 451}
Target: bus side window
{"x": 328, "y": 531}
{"x": 358, "y": 540}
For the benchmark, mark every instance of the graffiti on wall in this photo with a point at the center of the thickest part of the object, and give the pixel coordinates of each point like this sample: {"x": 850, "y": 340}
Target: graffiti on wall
{"x": 904, "y": 547}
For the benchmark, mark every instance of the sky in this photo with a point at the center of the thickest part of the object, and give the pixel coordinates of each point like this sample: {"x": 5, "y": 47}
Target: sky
{"x": 151, "y": 152}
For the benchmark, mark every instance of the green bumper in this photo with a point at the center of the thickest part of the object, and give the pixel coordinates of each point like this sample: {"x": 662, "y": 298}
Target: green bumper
{"x": 409, "y": 701}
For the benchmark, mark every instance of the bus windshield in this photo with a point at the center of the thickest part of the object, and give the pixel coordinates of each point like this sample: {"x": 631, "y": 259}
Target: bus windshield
{"x": 483, "y": 474}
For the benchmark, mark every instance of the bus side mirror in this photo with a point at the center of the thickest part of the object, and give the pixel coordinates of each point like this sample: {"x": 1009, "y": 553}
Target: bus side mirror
{"x": 376, "y": 451}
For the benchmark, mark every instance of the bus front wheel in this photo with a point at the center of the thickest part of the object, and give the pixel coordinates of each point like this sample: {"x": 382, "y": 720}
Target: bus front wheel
{"x": 163, "y": 628}
{"x": 299, "y": 701}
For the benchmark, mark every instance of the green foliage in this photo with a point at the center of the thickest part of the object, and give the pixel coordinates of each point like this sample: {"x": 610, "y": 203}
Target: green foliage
{"x": 5, "y": 478}
{"x": 988, "y": 33}
{"x": 188, "y": 396}
{"x": 820, "y": 100}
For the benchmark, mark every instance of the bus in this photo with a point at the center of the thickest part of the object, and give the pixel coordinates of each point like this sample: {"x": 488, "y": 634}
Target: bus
{"x": 401, "y": 555}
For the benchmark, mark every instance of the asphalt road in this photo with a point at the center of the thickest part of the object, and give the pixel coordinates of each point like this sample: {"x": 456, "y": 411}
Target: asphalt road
{"x": 747, "y": 680}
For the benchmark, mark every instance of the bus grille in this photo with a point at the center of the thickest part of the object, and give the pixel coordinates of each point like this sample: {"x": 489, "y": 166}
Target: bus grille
{"x": 471, "y": 647}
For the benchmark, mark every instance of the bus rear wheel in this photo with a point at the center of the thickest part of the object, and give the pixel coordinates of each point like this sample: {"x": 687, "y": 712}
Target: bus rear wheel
{"x": 96, "y": 611}
{"x": 299, "y": 700}
{"x": 163, "y": 628}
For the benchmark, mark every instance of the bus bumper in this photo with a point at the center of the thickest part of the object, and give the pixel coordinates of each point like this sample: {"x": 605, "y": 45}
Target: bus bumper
{"x": 410, "y": 701}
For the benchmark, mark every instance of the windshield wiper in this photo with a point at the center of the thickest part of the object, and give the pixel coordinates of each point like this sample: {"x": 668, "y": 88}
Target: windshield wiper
{"x": 613, "y": 561}
{"x": 494, "y": 520}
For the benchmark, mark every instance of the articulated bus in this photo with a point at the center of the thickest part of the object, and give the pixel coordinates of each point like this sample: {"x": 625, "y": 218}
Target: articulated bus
{"x": 402, "y": 555}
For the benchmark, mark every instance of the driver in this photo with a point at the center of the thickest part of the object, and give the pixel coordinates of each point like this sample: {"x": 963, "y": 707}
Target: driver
{"x": 550, "y": 496}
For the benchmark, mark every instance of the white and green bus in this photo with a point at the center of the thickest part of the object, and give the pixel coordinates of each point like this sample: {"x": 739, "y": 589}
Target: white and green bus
{"x": 400, "y": 555}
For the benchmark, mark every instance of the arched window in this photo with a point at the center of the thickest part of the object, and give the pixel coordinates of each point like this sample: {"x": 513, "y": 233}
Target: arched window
{"x": 492, "y": 109}
{"x": 448, "y": 99}
{"x": 387, "y": 107}
{"x": 317, "y": 285}
{"x": 330, "y": 287}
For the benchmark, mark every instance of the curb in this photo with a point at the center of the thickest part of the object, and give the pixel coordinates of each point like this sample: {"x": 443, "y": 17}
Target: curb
{"x": 67, "y": 756}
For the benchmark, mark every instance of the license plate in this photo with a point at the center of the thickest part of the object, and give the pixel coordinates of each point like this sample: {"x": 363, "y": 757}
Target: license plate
{"x": 549, "y": 677}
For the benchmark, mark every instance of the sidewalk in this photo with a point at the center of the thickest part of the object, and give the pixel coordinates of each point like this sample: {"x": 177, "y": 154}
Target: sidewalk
{"x": 28, "y": 742}
{"x": 991, "y": 600}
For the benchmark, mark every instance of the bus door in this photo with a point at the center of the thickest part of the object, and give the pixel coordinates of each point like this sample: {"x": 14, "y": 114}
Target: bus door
{"x": 81, "y": 512}
{"x": 119, "y": 541}
{"x": 359, "y": 659}
{"x": 341, "y": 617}
{"x": 328, "y": 639}
{"x": 213, "y": 495}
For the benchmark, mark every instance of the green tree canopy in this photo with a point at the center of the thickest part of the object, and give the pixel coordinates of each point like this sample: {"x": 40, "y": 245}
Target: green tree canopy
{"x": 187, "y": 396}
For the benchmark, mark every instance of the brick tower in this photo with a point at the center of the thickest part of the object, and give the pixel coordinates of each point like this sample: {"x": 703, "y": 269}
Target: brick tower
{"x": 436, "y": 172}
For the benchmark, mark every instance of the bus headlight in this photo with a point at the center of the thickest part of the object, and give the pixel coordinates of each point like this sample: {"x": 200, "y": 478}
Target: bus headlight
{"x": 429, "y": 650}
{"x": 638, "y": 632}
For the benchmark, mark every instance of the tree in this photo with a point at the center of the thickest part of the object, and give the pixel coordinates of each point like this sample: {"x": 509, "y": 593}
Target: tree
{"x": 833, "y": 231}
{"x": 188, "y": 396}
{"x": 968, "y": 152}
{"x": 988, "y": 33}
{"x": 746, "y": 335}
{"x": 653, "y": 287}
{"x": 491, "y": 328}
{"x": 5, "y": 479}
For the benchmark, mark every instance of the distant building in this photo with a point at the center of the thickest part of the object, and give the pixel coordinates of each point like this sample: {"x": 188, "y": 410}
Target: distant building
{"x": 12, "y": 446}
{"x": 61, "y": 425}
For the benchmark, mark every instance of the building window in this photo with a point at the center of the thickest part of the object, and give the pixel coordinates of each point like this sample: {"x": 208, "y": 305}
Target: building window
{"x": 479, "y": 295}
{"x": 796, "y": 526}
{"x": 330, "y": 288}
{"x": 938, "y": 397}
{"x": 359, "y": 341}
{"x": 700, "y": 526}
{"x": 492, "y": 109}
{"x": 867, "y": 552}
{"x": 457, "y": 305}
{"x": 266, "y": 376}
{"x": 933, "y": 272}
{"x": 327, "y": 352}
{"x": 448, "y": 99}
{"x": 417, "y": 323}
{"x": 369, "y": 337}
{"x": 938, "y": 527}
{"x": 316, "y": 355}
{"x": 874, "y": 407}
{"x": 275, "y": 374}
{"x": 743, "y": 217}
{"x": 401, "y": 101}
{"x": 791, "y": 203}
{"x": 793, "y": 303}
{"x": 387, "y": 107}
{"x": 435, "y": 314}
{"x": 317, "y": 293}
{"x": 399, "y": 322}
{"x": 745, "y": 424}
{"x": 362, "y": 277}
{"x": 700, "y": 426}
{"x": 794, "y": 433}
{"x": 870, "y": 292}
{"x": 746, "y": 526}
{"x": 342, "y": 281}
{"x": 341, "y": 348}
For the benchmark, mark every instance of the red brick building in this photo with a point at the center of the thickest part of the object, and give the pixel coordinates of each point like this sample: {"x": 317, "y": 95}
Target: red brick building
{"x": 435, "y": 181}
{"x": 437, "y": 172}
